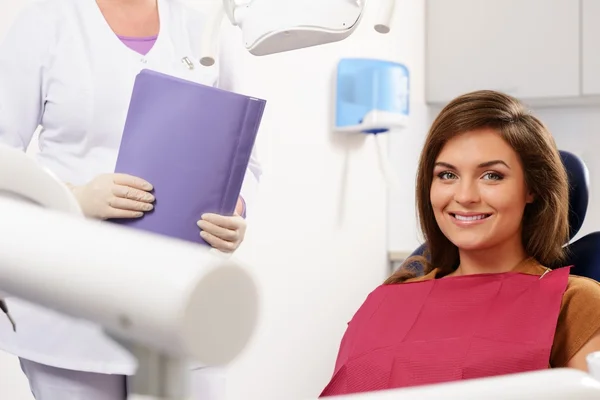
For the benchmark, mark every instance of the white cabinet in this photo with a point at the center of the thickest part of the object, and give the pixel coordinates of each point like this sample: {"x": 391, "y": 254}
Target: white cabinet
{"x": 527, "y": 48}
{"x": 590, "y": 28}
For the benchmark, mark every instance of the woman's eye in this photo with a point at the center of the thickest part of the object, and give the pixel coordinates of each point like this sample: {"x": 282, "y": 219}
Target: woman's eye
{"x": 492, "y": 176}
{"x": 446, "y": 175}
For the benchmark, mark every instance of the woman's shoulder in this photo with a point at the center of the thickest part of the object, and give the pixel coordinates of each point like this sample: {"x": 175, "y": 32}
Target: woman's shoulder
{"x": 43, "y": 9}
{"x": 579, "y": 289}
{"x": 429, "y": 276}
{"x": 192, "y": 14}
{"x": 190, "y": 20}
{"x": 34, "y": 29}
{"x": 39, "y": 18}
{"x": 582, "y": 290}
{"x": 579, "y": 318}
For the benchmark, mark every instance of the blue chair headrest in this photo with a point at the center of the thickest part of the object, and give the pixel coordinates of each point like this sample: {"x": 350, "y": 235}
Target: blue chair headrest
{"x": 578, "y": 190}
{"x": 584, "y": 256}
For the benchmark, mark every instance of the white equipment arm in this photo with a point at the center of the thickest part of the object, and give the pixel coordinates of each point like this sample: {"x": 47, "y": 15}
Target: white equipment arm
{"x": 172, "y": 296}
{"x": 551, "y": 384}
{"x": 177, "y": 299}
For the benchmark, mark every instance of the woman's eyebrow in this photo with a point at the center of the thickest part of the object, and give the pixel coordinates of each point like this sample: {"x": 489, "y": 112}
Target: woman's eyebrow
{"x": 492, "y": 163}
{"x": 486, "y": 164}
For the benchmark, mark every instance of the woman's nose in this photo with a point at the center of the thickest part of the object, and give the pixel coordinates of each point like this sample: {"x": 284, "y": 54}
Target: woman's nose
{"x": 466, "y": 192}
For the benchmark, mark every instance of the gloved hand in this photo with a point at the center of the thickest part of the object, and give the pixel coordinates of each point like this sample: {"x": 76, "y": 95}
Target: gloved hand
{"x": 223, "y": 232}
{"x": 114, "y": 196}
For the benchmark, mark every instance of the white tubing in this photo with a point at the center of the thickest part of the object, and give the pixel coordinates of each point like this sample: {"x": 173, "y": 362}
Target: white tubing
{"x": 383, "y": 20}
{"x": 387, "y": 169}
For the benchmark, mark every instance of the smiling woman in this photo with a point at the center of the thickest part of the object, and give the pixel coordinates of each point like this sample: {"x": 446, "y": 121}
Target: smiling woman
{"x": 492, "y": 196}
{"x": 503, "y": 162}
{"x": 478, "y": 197}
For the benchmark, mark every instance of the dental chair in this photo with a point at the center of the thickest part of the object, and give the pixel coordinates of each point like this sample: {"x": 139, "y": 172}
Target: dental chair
{"x": 584, "y": 253}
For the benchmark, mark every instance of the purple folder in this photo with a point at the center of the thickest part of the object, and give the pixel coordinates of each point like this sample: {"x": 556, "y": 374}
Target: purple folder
{"x": 192, "y": 142}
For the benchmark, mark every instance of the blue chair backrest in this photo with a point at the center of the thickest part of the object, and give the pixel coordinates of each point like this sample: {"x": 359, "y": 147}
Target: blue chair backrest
{"x": 584, "y": 253}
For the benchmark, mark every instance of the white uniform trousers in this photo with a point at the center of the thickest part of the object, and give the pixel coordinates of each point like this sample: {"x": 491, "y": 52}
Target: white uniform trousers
{"x": 51, "y": 383}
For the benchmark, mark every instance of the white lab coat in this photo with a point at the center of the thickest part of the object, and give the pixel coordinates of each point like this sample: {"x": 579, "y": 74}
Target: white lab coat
{"x": 62, "y": 67}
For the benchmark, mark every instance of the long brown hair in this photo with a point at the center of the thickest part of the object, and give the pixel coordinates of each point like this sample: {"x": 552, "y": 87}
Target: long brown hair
{"x": 545, "y": 221}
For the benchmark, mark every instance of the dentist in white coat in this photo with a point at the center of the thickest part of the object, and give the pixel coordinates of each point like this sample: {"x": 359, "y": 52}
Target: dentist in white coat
{"x": 69, "y": 66}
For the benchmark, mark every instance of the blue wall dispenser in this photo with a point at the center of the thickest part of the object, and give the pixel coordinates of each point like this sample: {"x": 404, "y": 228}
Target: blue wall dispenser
{"x": 372, "y": 96}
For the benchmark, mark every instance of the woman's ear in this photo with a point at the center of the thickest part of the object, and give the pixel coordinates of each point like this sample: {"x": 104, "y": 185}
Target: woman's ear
{"x": 529, "y": 198}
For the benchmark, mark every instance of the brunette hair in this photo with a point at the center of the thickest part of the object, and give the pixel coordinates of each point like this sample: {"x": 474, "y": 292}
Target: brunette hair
{"x": 545, "y": 221}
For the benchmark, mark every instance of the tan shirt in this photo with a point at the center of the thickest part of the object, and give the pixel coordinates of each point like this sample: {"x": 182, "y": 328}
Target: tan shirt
{"x": 579, "y": 318}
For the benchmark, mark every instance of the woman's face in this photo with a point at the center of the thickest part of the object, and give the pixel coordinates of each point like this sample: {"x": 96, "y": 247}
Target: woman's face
{"x": 478, "y": 193}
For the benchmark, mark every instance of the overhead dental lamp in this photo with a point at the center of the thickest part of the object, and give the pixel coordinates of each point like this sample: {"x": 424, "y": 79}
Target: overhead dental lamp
{"x": 275, "y": 26}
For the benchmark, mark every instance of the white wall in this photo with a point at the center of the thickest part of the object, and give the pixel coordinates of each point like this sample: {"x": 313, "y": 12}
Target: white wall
{"x": 577, "y": 130}
{"x": 318, "y": 236}
{"x": 318, "y": 240}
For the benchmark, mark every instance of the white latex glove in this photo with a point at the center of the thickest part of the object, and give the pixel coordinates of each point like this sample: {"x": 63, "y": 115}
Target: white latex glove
{"x": 224, "y": 233}
{"x": 114, "y": 196}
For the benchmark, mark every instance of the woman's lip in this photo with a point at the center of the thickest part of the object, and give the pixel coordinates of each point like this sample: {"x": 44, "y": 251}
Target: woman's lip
{"x": 463, "y": 219}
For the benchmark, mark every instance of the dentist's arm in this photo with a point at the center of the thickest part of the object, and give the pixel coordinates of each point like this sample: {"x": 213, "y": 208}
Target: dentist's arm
{"x": 579, "y": 359}
{"x": 226, "y": 233}
{"x": 578, "y": 328}
{"x": 24, "y": 52}
{"x": 249, "y": 189}
{"x": 231, "y": 66}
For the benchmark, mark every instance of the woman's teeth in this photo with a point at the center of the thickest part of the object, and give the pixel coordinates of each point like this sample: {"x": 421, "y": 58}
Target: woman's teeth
{"x": 470, "y": 217}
